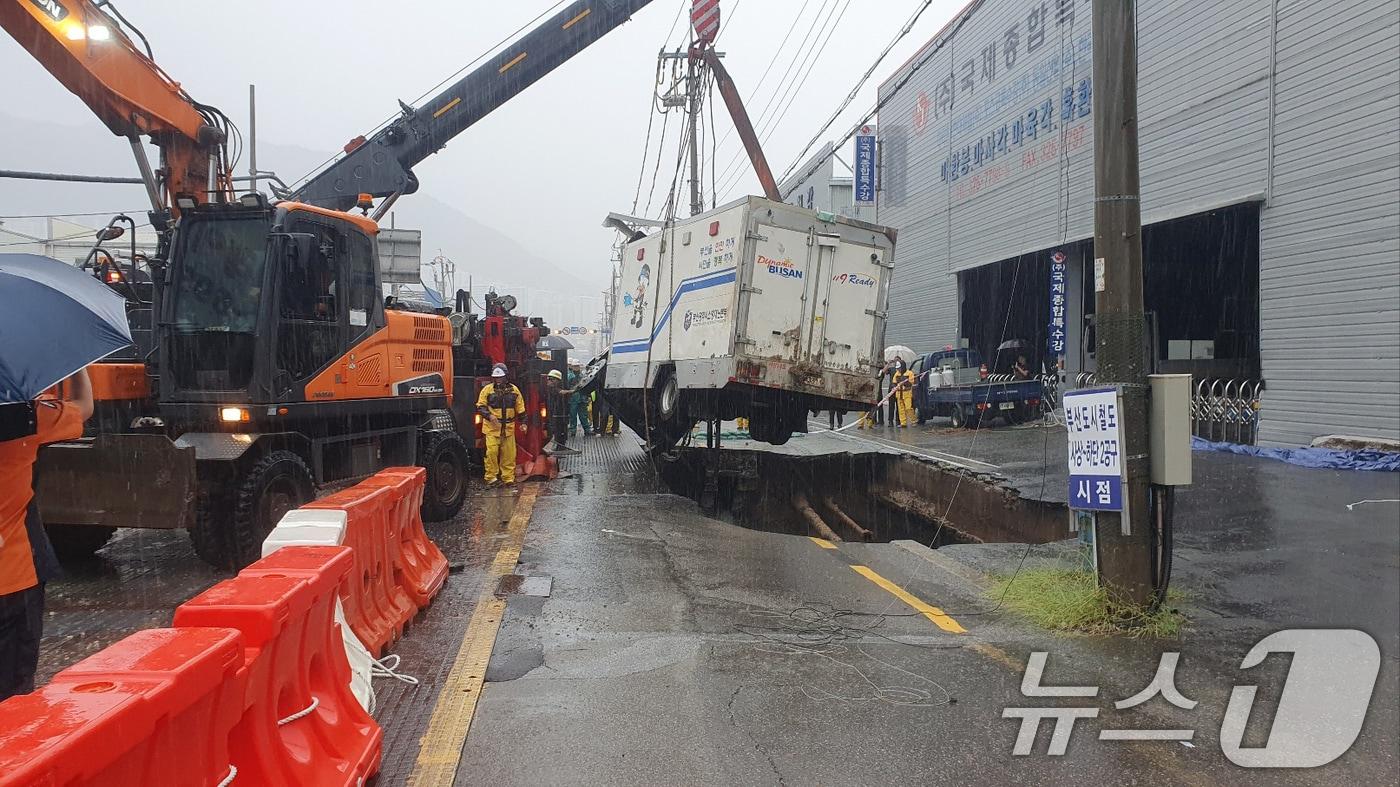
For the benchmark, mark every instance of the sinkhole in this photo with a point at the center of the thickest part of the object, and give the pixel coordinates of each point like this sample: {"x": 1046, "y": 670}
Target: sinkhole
{"x": 873, "y": 496}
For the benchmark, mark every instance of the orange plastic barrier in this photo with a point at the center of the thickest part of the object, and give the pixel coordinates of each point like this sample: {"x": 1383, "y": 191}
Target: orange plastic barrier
{"x": 420, "y": 568}
{"x": 376, "y": 605}
{"x": 300, "y": 724}
{"x": 155, "y": 708}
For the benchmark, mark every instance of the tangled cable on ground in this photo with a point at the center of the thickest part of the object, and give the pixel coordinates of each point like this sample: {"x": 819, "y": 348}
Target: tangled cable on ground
{"x": 832, "y": 633}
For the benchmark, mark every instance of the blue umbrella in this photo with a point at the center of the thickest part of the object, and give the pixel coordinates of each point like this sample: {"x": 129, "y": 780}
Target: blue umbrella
{"x": 54, "y": 320}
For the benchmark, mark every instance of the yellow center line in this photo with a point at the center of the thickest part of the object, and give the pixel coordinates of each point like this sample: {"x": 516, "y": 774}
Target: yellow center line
{"x": 440, "y": 749}
{"x": 823, "y": 543}
{"x": 938, "y": 616}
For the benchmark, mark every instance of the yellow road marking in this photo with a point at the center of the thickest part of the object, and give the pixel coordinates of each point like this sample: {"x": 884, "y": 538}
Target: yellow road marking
{"x": 821, "y": 542}
{"x": 440, "y": 749}
{"x": 938, "y": 616}
{"x": 454, "y": 102}
{"x": 999, "y": 656}
{"x": 513, "y": 61}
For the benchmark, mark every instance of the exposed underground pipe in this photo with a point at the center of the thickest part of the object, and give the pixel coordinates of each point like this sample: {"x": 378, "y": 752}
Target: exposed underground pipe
{"x": 799, "y": 502}
{"x": 847, "y": 522}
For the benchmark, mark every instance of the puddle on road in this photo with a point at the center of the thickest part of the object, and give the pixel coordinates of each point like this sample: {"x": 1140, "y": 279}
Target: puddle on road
{"x": 859, "y": 497}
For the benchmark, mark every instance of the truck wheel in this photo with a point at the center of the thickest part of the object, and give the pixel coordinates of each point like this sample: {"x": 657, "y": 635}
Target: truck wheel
{"x": 78, "y": 542}
{"x": 274, "y": 485}
{"x": 668, "y": 397}
{"x": 445, "y": 457}
{"x": 958, "y": 417}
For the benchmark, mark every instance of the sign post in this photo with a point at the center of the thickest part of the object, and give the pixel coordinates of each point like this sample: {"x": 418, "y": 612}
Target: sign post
{"x": 865, "y": 165}
{"x": 1094, "y": 426}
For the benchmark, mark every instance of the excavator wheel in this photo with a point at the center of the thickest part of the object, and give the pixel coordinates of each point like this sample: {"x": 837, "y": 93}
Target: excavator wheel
{"x": 444, "y": 454}
{"x": 231, "y": 536}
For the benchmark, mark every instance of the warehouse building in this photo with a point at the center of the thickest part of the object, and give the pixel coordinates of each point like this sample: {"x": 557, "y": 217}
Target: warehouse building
{"x": 1270, "y": 159}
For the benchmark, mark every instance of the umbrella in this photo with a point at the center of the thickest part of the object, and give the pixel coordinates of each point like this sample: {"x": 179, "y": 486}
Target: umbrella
{"x": 54, "y": 320}
{"x": 554, "y": 342}
{"x": 900, "y": 351}
{"x": 1011, "y": 344}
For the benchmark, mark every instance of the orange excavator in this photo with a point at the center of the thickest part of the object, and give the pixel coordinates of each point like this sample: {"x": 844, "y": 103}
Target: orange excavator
{"x": 274, "y": 363}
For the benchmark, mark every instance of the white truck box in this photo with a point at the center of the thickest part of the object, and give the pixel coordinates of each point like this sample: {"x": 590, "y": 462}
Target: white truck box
{"x": 754, "y": 299}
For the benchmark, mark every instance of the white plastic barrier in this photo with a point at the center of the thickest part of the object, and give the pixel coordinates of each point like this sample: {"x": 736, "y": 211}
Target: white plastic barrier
{"x": 325, "y": 527}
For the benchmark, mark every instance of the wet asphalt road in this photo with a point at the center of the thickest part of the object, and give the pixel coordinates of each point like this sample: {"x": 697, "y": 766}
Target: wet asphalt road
{"x": 675, "y": 649}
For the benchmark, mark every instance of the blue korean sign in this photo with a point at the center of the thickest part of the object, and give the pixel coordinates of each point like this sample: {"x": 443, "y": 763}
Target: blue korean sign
{"x": 1095, "y": 454}
{"x": 1056, "y": 334}
{"x": 865, "y": 167}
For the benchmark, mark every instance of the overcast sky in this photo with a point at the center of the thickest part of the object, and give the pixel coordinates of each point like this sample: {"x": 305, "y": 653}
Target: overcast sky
{"x": 544, "y": 168}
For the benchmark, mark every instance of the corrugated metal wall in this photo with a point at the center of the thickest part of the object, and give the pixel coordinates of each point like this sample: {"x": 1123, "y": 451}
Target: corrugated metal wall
{"x": 1330, "y": 232}
{"x": 1203, "y": 103}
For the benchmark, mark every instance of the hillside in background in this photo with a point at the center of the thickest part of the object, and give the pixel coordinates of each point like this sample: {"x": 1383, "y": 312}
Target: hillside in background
{"x": 479, "y": 251}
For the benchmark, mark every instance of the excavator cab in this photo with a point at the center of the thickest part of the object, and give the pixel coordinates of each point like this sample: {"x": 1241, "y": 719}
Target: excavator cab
{"x": 264, "y": 302}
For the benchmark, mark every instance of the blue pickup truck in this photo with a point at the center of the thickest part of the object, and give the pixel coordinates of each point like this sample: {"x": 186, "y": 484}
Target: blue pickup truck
{"x": 956, "y": 384}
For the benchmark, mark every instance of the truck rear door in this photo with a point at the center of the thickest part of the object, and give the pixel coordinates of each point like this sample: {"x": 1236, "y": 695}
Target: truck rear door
{"x": 780, "y": 300}
{"x": 850, "y": 281}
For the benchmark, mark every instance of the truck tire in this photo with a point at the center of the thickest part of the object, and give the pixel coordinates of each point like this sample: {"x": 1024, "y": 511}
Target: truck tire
{"x": 274, "y": 485}
{"x": 444, "y": 455}
{"x": 668, "y": 397}
{"x": 958, "y": 417}
{"x": 78, "y": 542}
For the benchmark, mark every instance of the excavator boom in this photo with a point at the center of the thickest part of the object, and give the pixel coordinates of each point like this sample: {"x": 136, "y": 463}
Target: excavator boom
{"x": 87, "y": 51}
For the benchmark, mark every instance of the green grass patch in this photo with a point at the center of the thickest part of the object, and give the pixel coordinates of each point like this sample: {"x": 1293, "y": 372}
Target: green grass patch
{"x": 1072, "y": 601}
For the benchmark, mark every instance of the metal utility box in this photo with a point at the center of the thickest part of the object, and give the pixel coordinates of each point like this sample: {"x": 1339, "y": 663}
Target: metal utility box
{"x": 1170, "y": 424}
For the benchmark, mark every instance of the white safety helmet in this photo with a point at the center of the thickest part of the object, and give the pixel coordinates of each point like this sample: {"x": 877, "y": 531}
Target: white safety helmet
{"x": 499, "y": 370}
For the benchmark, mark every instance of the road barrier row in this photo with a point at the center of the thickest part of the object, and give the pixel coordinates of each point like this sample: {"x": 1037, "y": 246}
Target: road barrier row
{"x": 398, "y": 569}
{"x": 251, "y": 685}
{"x": 264, "y": 678}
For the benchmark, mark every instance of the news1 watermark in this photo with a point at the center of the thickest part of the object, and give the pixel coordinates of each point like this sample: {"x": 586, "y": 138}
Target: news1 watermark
{"x": 1320, "y": 710}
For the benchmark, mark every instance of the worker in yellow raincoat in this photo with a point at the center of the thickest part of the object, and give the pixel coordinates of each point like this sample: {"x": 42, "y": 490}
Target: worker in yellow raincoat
{"x": 500, "y": 405}
{"x": 904, "y": 391}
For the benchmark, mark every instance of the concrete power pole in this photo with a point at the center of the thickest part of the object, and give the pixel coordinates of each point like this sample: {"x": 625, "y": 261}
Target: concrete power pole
{"x": 694, "y": 77}
{"x": 1125, "y": 560}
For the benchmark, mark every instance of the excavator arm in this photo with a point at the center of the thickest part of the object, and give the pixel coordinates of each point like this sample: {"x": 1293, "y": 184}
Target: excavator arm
{"x": 382, "y": 165}
{"x": 89, "y": 53}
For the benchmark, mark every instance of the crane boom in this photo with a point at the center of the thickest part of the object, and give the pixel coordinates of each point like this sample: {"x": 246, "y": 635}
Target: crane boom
{"x": 382, "y": 166}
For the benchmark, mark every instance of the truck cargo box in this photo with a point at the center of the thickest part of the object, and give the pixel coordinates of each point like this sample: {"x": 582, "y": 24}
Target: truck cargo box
{"x": 757, "y": 309}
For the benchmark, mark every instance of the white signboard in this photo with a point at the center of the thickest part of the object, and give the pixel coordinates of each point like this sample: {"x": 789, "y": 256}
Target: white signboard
{"x": 1095, "y": 428}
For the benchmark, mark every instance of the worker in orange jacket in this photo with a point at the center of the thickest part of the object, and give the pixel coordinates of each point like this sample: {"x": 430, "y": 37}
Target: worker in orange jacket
{"x": 27, "y": 560}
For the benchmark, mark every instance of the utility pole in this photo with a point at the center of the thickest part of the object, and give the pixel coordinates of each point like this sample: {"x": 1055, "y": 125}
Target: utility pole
{"x": 694, "y": 77}
{"x": 1125, "y": 560}
{"x": 692, "y": 102}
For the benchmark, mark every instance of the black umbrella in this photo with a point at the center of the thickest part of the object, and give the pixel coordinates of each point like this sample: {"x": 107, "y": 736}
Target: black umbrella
{"x": 54, "y": 320}
{"x": 554, "y": 342}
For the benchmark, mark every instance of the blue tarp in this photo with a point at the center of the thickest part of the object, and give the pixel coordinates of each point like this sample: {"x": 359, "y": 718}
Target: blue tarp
{"x": 1309, "y": 457}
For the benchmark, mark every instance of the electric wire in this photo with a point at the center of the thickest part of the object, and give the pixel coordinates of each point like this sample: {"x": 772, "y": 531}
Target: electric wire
{"x": 904, "y": 79}
{"x": 432, "y": 90}
{"x": 774, "y": 59}
{"x": 814, "y": 31}
{"x": 851, "y": 96}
